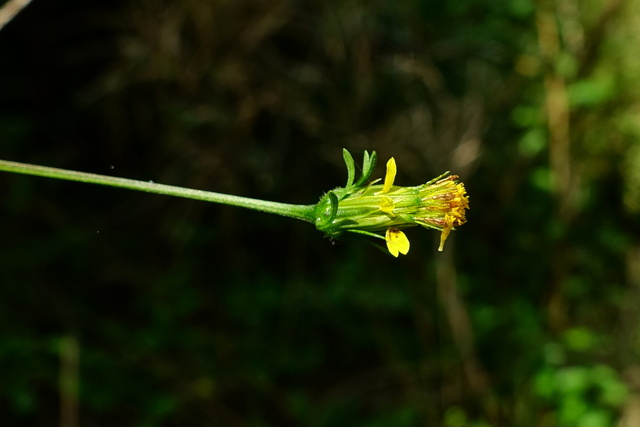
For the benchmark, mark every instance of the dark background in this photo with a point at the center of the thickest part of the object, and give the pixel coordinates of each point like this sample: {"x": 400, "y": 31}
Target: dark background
{"x": 130, "y": 309}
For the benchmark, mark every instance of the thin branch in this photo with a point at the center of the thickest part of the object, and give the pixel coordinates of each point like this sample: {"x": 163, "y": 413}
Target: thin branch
{"x": 10, "y": 10}
{"x": 303, "y": 212}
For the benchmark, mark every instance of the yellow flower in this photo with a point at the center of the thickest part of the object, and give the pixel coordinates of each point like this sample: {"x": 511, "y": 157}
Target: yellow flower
{"x": 397, "y": 242}
{"x": 382, "y": 210}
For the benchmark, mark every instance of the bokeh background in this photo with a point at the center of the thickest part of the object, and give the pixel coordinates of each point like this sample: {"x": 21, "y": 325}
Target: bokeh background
{"x": 130, "y": 309}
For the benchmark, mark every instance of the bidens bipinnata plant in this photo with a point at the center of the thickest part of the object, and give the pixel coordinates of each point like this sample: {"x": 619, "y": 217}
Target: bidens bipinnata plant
{"x": 383, "y": 210}
{"x": 365, "y": 208}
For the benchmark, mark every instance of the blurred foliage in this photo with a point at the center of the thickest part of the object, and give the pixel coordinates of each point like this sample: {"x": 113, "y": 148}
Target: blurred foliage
{"x": 173, "y": 312}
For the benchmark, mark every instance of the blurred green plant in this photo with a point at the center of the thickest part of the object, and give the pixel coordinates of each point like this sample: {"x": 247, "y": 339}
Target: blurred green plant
{"x": 583, "y": 396}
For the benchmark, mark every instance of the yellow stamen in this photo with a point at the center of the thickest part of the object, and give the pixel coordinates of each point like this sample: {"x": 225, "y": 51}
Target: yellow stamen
{"x": 397, "y": 242}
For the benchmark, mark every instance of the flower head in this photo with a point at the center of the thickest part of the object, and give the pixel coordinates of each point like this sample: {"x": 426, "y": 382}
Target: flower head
{"x": 383, "y": 210}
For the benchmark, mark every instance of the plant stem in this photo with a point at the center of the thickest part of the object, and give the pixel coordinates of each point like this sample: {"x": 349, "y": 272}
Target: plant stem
{"x": 303, "y": 212}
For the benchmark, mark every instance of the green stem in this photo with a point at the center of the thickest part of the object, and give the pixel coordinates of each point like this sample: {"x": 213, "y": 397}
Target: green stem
{"x": 303, "y": 212}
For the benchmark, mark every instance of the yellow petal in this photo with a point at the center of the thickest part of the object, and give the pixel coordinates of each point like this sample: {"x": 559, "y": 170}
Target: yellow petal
{"x": 390, "y": 176}
{"x": 397, "y": 242}
{"x": 387, "y": 205}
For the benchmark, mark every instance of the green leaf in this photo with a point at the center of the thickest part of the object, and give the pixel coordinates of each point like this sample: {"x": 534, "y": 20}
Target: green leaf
{"x": 351, "y": 167}
{"x": 368, "y": 164}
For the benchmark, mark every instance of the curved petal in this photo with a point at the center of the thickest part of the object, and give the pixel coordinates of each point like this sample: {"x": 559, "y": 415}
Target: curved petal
{"x": 397, "y": 242}
{"x": 390, "y": 176}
